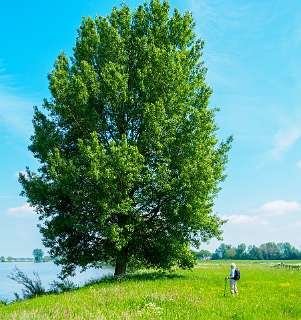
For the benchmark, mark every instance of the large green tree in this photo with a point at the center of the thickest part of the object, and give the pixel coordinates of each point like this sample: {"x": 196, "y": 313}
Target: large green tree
{"x": 130, "y": 162}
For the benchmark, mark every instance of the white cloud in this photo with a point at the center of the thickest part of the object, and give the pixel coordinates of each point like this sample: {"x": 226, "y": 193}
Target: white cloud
{"x": 298, "y": 164}
{"x": 23, "y": 210}
{"x": 284, "y": 139}
{"x": 279, "y": 207}
{"x": 277, "y": 220}
{"x": 263, "y": 214}
{"x": 243, "y": 219}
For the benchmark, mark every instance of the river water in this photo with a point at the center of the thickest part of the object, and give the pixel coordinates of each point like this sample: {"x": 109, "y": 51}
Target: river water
{"x": 47, "y": 271}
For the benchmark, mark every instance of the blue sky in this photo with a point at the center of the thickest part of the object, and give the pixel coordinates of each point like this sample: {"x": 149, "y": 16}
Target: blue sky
{"x": 252, "y": 52}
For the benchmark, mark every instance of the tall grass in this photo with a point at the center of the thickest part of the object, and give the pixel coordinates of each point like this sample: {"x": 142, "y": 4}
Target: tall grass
{"x": 32, "y": 286}
{"x": 265, "y": 293}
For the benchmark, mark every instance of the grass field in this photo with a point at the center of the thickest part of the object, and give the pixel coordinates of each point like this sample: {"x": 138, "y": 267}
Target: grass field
{"x": 265, "y": 292}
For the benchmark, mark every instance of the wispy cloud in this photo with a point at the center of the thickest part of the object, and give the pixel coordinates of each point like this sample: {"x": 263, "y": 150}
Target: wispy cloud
{"x": 15, "y": 111}
{"x": 244, "y": 219}
{"x": 263, "y": 214}
{"x": 21, "y": 211}
{"x": 216, "y": 13}
{"x": 284, "y": 139}
{"x": 278, "y": 208}
{"x": 15, "y": 108}
{"x": 277, "y": 220}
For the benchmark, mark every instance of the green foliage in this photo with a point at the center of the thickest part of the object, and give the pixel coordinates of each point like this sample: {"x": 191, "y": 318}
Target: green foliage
{"x": 38, "y": 255}
{"x": 3, "y": 302}
{"x": 62, "y": 286}
{"x": 130, "y": 163}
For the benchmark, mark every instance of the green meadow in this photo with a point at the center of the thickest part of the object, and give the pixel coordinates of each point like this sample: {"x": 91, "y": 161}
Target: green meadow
{"x": 265, "y": 292}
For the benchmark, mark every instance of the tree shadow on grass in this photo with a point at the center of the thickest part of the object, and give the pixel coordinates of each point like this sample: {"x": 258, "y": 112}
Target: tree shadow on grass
{"x": 137, "y": 276}
{"x": 154, "y": 275}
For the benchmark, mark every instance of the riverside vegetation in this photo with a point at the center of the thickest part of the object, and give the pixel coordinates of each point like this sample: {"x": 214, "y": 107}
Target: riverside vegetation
{"x": 265, "y": 292}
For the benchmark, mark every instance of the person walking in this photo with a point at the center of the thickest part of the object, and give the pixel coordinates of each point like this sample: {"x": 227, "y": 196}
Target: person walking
{"x": 234, "y": 276}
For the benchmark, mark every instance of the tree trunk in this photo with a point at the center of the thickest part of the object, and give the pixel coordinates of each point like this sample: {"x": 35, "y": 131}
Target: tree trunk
{"x": 121, "y": 263}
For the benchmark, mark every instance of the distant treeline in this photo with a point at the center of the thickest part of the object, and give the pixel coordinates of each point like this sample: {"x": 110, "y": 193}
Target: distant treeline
{"x": 265, "y": 251}
{"x": 12, "y": 259}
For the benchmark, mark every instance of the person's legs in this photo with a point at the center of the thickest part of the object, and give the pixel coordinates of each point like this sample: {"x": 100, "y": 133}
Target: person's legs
{"x": 235, "y": 288}
{"x": 232, "y": 286}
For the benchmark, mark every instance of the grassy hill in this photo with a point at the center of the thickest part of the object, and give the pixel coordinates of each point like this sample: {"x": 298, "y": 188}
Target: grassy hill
{"x": 265, "y": 292}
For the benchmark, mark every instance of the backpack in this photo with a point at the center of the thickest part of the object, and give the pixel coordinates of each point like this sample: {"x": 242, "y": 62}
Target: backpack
{"x": 236, "y": 274}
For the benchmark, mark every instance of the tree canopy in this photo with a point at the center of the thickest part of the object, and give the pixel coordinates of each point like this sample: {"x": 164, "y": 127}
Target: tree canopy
{"x": 130, "y": 162}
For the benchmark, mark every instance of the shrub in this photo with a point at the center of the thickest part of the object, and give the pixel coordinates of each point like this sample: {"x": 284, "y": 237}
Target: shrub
{"x": 33, "y": 287}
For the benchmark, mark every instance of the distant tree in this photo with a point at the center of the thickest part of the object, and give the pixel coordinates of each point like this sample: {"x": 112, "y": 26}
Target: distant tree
{"x": 220, "y": 252}
{"x": 287, "y": 251}
{"x": 240, "y": 251}
{"x": 10, "y": 259}
{"x": 230, "y": 252}
{"x": 203, "y": 254}
{"x": 270, "y": 251}
{"x": 130, "y": 159}
{"x": 2, "y": 259}
{"x": 224, "y": 251}
{"x": 254, "y": 253}
{"x": 38, "y": 255}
